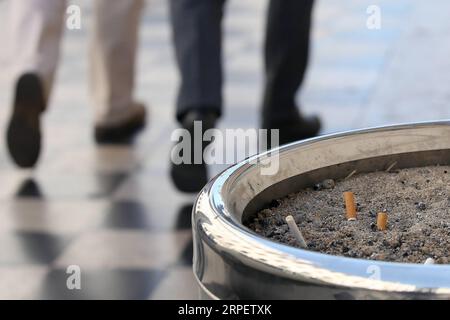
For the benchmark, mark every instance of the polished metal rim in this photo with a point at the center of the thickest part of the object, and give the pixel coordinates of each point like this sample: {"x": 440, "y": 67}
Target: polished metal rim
{"x": 219, "y": 210}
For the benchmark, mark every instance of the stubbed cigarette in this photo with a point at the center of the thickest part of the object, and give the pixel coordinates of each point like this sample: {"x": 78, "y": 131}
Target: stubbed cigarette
{"x": 429, "y": 261}
{"x": 296, "y": 231}
{"x": 382, "y": 221}
{"x": 350, "y": 175}
{"x": 350, "y": 207}
{"x": 391, "y": 166}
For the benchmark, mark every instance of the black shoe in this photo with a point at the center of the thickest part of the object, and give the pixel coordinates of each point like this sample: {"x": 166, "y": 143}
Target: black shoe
{"x": 24, "y": 129}
{"x": 193, "y": 177}
{"x": 123, "y": 132}
{"x": 294, "y": 128}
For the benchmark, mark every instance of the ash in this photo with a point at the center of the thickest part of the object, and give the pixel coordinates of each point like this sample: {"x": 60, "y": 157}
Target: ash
{"x": 416, "y": 200}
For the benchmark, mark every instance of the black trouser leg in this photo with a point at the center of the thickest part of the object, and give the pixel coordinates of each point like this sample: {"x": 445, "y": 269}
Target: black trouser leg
{"x": 197, "y": 36}
{"x": 286, "y": 55}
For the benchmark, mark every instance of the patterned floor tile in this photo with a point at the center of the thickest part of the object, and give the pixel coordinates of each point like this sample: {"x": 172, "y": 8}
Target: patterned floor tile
{"x": 21, "y": 282}
{"x": 21, "y": 248}
{"x": 52, "y": 217}
{"x": 100, "y": 284}
{"x": 71, "y": 186}
{"x": 125, "y": 249}
{"x": 178, "y": 284}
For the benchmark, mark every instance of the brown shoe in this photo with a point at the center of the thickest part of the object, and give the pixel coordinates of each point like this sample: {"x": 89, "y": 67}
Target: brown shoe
{"x": 122, "y": 132}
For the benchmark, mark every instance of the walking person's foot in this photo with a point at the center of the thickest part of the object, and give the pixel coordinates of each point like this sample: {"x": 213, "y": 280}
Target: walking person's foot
{"x": 122, "y": 132}
{"x": 294, "y": 127}
{"x": 192, "y": 177}
{"x": 24, "y": 129}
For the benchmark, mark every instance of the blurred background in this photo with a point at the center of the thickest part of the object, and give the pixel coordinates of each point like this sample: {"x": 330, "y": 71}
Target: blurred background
{"x": 113, "y": 211}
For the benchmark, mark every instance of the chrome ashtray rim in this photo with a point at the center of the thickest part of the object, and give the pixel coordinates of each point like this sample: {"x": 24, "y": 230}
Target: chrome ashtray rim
{"x": 301, "y": 265}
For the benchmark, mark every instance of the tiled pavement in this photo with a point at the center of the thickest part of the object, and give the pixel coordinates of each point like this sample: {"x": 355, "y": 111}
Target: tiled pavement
{"x": 113, "y": 210}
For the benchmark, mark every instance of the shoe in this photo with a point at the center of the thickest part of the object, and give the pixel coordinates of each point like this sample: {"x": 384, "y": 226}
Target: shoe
{"x": 294, "y": 128}
{"x": 122, "y": 132}
{"x": 191, "y": 177}
{"x": 24, "y": 130}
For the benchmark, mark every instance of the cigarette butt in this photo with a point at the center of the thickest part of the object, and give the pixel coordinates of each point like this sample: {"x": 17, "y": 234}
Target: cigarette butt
{"x": 351, "y": 174}
{"x": 350, "y": 207}
{"x": 382, "y": 221}
{"x": 429, "y": 261}
{"x": 296, "y": 231}
{"x": 391, "y": 166}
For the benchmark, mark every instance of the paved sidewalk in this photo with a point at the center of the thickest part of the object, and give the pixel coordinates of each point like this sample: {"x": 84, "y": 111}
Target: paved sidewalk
{"x": 114, "y": 212}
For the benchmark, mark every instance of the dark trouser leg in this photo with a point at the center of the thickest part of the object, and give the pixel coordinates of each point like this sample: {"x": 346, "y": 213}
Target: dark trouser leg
{"x": 286, "y": 55}
{"x": 197, "y": 35}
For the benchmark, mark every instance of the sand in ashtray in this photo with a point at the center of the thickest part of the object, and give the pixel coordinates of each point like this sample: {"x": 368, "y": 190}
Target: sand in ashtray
{"x": 417, "y": 202}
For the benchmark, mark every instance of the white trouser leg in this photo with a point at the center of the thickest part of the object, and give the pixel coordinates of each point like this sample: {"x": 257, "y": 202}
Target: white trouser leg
{"x": 112, "y": 57}
{"x": 36, "y": 30}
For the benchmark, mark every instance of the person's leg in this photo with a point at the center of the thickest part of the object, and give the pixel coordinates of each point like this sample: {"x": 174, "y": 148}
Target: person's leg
{"x": 35, "y": 36}
{"x": 197, "y": 37}
{"x": 113, "y": 57}
{"x": 36, "y": 29}
{"x": 286, "y": 61}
